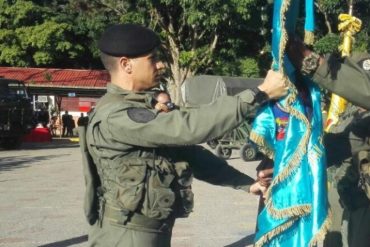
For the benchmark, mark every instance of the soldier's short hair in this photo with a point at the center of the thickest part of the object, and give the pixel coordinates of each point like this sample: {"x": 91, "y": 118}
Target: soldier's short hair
{"x": 108, "y": 61}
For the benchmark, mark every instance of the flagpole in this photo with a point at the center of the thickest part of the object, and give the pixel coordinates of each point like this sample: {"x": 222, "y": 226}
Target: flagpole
{"x": 349, "y": 26}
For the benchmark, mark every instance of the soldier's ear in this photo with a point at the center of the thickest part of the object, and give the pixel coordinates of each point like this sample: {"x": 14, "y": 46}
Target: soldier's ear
{"x": 126, "y": 64}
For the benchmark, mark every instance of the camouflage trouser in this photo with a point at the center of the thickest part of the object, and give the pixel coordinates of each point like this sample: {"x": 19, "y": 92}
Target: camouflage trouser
{"x": 356, "y": 223}
{"x": 351, "y": 211}
{"x": 112, "y": 235}
{"x": 334, "y": 235}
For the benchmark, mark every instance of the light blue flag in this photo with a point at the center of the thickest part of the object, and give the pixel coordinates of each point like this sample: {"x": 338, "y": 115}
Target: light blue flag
{"x": 290, "y": 131}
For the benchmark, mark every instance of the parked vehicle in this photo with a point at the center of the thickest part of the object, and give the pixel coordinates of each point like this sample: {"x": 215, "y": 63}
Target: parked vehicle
{"x": 16, "y": 114}
{"x": 205, "y": 89}
{"x": 237, "y": 139}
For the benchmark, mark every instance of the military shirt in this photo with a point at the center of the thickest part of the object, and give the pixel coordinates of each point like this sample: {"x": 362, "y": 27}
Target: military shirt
{"x": 124, "y": 121}
{"x": 130, "y": 121}
{"x": 349, "y": 79}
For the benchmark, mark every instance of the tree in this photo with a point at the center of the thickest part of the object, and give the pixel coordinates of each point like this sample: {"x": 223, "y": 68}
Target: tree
{"x": 196, "y": 35}
{"x": 330, "y": 10}
{"x": 30, "y": 35}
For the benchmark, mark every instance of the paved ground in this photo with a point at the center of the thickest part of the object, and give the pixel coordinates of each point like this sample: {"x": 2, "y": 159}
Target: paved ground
{"x": 41, "y": 193}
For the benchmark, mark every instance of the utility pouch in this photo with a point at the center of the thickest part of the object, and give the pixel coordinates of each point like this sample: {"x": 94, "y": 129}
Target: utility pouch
{"x": 362, "y": 160}
{"x": 159, "y": 197}
{"x": 92, "y": 180}
{"x": 184, "y": 194}
{"x": 130, "y": 177}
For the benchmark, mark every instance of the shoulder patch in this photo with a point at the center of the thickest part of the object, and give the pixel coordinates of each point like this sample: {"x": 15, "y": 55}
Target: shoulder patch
{"x": 140, "y": 115}
{"x": 365, "y": 64}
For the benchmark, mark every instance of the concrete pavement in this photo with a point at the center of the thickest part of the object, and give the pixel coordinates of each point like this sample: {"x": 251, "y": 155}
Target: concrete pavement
{"x": 41, "y": 197}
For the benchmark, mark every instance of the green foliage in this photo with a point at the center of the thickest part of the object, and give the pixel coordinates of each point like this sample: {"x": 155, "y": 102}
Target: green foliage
{"x": 327, "y": 44}
{"x": 249, "y": 68}
{"x": 333, "y": 6}
{"x": 192, "y": 28}
{"x": 199, "y": 36}
{"x": 245, "y": 67}
{"x": 30, "y": 36}
{"x": 362, "y": 42}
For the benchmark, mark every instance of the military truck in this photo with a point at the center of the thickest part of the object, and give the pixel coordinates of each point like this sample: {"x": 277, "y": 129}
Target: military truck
{"x": 205, "y": 89}
{"x": 16, "y": 114}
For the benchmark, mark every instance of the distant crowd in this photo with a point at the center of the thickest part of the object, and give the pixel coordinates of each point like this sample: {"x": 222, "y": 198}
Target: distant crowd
{"x": 64, "y": 126}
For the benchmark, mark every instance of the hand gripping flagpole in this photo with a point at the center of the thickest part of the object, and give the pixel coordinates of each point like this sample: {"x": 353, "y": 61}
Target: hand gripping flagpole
{"x": 349, "y": 26}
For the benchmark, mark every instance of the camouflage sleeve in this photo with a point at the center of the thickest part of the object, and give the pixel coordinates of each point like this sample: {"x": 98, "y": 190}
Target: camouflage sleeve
{"x": 148, "y": 128}
{"x": 349, "y": 78}
{"x": 214, "y": 170}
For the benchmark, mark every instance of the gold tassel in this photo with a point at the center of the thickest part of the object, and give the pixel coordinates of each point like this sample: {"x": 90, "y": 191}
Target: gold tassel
{"x": 309, "y": 37}
{"x": 267, "y": 237}
{"x": 262, "y": 144}
{"x": 320, "y": 235}
{"x": 296, "y": 211}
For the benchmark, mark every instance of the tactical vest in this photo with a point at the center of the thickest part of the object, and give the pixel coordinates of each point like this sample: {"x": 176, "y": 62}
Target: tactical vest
{"x": 362, "y": 160}
{"x": 141, "y": 181}
{"x": 350, "y": 148}
{"x": 361, "y": 153}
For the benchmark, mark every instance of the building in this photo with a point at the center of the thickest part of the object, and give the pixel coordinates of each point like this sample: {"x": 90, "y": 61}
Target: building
{"x": 71, "y": 90}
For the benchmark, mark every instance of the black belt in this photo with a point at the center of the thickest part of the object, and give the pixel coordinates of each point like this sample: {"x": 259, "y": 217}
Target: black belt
{"x": 135, "y": 220}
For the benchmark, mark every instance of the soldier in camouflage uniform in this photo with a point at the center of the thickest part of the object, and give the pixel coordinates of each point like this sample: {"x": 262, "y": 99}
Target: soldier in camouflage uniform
{"x": 348, "y": 146}
{"x": 139, "y": 163}
{"x": 348, "y": 77}
{"x": 350, "y": 206}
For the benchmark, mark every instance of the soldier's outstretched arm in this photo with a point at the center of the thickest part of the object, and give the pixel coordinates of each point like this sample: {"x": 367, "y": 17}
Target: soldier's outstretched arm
{"x": 148, "y": 128}
{"x": 349, "y": 78}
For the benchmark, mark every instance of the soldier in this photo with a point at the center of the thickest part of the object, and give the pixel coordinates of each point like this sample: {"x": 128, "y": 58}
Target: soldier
{"x": 65, "y": 123}
{"x": 349, "y": 204}
{"x": 162, "y": 101}
{"x": 142, "y": 162}
{"x": 348, "y": 77}
{"x": 348, "y": 146}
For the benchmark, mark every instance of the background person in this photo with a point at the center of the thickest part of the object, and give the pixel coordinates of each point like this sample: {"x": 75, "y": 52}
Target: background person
{"x": 65, "y": 123}
{"x": 70, "y": 125}
{"x": 162, "y": 101}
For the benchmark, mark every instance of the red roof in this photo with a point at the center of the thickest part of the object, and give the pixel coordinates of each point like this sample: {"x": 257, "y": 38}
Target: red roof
{"x": 69, "y": 78}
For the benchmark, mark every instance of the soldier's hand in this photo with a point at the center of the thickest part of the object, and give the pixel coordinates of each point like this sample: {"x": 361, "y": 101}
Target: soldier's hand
{"x": 257, "y": 189}
{"x": 161, "y": 107}
{"x": 274, "y": 85}
{"x": 264, "y": 177}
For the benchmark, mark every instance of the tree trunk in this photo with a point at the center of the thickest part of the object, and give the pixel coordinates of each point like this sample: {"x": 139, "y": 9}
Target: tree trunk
{"x": 326, "y": 17}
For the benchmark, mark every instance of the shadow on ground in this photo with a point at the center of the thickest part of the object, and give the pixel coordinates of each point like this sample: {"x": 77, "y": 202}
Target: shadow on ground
{"x": 67, "y": 242}
{"x": 15, "y": 162}
{"x": 248, "y": 240}
{"x": 54, "y": 144}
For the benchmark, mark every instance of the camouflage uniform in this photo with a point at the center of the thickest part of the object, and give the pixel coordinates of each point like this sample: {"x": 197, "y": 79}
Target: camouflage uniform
{"x": 141, "y": 163}
{"x": 350, "y": 206}
{"x": 348, "y": 77}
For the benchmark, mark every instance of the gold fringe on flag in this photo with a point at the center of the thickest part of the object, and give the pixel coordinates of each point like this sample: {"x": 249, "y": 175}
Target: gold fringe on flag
{"x": 309, "y": 37}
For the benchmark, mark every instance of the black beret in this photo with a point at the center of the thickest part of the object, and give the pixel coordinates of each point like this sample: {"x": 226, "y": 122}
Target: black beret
{"x": 129, "y": 40}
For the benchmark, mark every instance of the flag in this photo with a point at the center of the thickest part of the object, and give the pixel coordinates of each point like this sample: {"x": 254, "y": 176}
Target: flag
{"x": 290, "y": 131}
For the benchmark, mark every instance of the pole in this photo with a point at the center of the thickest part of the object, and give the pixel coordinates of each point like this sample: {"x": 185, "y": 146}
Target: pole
{"x": 349, "y": 26}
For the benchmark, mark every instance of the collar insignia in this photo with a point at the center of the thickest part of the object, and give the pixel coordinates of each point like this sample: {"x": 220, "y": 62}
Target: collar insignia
{"x": 366, "y": 64}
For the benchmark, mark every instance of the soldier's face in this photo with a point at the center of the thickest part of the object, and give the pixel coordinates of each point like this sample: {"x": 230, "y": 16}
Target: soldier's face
{"x": 147, "y": 71}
